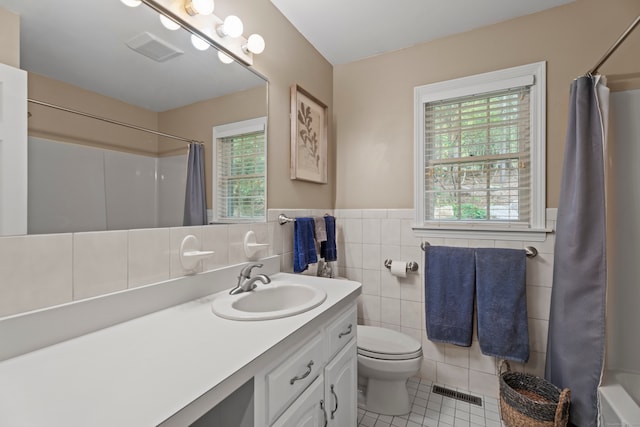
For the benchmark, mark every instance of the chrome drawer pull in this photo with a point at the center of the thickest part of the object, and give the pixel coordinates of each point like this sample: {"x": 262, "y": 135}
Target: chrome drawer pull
{"x": 303, "y": 376}
{"x": 349, "y": 329}
{"x": 335, "y": 397}
{"x": 324, "y": 412}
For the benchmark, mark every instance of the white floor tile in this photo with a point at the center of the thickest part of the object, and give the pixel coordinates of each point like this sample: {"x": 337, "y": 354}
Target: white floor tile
{"x": 433, "y": 410}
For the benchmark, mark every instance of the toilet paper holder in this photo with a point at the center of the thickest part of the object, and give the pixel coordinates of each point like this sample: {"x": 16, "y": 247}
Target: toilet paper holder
{"x": 411, "y": 265}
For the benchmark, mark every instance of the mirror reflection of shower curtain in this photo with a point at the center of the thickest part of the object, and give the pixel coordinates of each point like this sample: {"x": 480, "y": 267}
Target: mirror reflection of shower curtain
{"x": 195, "y": 203}
{"x": 576, "y": 341}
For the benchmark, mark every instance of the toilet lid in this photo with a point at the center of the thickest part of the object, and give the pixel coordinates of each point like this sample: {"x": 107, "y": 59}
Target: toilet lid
{"x": 382, "y": 343}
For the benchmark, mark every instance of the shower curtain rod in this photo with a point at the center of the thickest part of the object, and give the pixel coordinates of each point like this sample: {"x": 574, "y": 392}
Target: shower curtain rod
{"x": 612, "y": 49}
{"x": 115, "y": 122}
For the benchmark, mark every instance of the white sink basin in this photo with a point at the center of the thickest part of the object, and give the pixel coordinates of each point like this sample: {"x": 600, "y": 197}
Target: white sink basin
{"x": 272, "y": 301}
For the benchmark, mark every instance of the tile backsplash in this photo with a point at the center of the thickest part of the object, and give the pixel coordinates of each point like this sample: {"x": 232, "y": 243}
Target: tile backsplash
{"x": 38, "y": 271}
{"x": 366, "y": 238}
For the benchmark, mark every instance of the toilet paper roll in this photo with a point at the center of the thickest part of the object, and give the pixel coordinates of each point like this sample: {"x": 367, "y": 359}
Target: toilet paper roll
{"x": 399, "y": 268}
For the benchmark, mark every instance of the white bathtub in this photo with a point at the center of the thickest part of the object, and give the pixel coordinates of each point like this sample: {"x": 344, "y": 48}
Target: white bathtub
{"x": 620, "y": 399}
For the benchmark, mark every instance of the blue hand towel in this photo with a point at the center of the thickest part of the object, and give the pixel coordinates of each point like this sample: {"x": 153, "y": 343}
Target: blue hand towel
{"x": 502, "y": 303}
{"x": 328, "y": 249}
{"x": 304, "y": 245}
{"x": 449, "y": 289}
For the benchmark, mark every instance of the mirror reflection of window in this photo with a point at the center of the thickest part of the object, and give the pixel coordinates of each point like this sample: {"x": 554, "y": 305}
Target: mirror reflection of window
{"x": 239, "y": 178}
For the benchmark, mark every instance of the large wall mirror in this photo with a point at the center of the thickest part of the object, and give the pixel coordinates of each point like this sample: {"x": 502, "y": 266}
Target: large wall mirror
{"x": 105, "y": 59}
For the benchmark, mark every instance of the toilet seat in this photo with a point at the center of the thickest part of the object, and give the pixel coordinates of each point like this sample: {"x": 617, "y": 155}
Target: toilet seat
{"x": 384, "y": 356}
{"x": 386, "y": 344}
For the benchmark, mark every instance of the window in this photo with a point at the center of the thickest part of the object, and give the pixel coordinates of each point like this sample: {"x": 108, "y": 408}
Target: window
{"x": 480, "y": 151}
{"x": 239, "y": 161}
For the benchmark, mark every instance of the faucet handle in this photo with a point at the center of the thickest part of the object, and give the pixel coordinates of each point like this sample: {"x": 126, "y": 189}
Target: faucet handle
{"x": 246, "y": 270}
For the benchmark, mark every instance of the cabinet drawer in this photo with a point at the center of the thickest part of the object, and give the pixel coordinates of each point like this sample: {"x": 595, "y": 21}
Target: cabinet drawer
{"x": 341, "y": 331}
{"x": 285, "y": 383}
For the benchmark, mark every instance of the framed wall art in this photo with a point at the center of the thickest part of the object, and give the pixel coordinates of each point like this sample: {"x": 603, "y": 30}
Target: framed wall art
{"x": 309, "y": 127}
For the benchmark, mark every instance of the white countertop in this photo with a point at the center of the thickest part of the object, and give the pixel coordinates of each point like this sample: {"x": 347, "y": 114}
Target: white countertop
{"x": 143, "y": 371}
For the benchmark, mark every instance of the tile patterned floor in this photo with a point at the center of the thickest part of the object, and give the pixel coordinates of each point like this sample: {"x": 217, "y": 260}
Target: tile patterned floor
{"x": 433, "y": 410}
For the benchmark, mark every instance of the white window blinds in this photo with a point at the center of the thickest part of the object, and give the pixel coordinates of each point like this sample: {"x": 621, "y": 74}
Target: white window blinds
{"x": 477, "y": 157}
{"x": 241, "y": 177}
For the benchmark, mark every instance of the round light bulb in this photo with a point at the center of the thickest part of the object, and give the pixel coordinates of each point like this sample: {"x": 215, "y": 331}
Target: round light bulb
{"x": 168, "y": 23}
{"x": 199, "y": 43}
{"x": 255, "y": 44}
{"x": 132, "y": 3}
{"x": 232, "y": 26}
{"x": 224, "y": 58}
{"x": 200, "y": 7}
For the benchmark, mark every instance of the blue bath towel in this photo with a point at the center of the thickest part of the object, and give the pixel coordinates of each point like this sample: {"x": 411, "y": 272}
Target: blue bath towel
{"x": 449, "y": 290}
{"x": 502, "y": 303}
{"x": 304, "y": 244}
{"x": 328, "y": 249}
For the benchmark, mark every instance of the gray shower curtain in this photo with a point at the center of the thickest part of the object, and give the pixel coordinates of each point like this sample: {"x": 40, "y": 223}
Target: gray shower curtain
{"x": 576, "y": 341}
{"x": 195, "y": 203}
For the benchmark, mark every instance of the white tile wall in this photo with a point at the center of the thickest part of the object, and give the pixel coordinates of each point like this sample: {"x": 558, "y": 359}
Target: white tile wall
{"x": 149, "y": 256}
{"x": 35, "y": 272}
{"x": 100, "y": 263}
{"x": 44, "y": 270}
{"x": 215, "y": 238}
{"x": 367, "y": 237}
{"x": 39, "y": 271}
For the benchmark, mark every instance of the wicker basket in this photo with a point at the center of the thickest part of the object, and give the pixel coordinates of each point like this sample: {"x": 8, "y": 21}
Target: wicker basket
{"x": 530, "y": 401}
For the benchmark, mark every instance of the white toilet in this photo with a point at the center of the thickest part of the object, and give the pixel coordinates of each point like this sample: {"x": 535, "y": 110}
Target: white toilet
{"x": 386, "y": 360}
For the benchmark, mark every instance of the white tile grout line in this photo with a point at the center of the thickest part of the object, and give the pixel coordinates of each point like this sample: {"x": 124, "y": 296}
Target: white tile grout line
{"x": 434, "y": 410}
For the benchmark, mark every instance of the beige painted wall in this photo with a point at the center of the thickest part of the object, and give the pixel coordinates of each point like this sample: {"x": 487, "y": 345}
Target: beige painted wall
{"x": 288, "y": 59}
{"x": 373, "y": 98}
{"x": 197, "y": 121}
{"x": 58, "y": 125}
{"x": 9, "y": 38}
{"x": 194, "y": 121}
{"x": 371, "y": 138}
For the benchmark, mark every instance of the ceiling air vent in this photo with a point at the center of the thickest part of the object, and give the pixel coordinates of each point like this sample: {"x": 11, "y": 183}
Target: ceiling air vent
{"x": 153, "y": 47}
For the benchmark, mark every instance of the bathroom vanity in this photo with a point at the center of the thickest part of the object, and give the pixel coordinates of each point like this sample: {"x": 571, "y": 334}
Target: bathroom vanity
{"x": 316, "y": 384}
{"x": 157, "y": 355}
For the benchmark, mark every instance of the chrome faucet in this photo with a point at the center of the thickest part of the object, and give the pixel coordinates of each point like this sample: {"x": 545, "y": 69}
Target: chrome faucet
{"x": 247, "y": 283}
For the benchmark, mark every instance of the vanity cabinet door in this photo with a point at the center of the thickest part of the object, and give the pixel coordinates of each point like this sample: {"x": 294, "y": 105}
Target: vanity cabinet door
{"x": 309, "y": 410}
{"x": 340, "y": 389}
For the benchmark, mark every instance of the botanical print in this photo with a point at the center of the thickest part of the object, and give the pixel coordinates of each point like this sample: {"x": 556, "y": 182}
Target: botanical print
{"x": 308, "y": 137}
{"x": 308, "y": 143}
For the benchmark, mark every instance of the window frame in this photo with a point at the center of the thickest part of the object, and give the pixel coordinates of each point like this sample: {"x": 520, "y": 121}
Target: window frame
{"x": 524, "y": 75}
{"x": 230, "y": 130}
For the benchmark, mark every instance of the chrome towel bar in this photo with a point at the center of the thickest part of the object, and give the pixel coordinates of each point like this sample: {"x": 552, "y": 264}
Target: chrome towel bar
{"x": 529, "y": 250}
{"x": 283, "y": 219}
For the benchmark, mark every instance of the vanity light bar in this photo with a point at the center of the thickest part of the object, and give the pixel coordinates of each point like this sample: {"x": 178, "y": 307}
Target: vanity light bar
{"x": 203, "y": 27}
